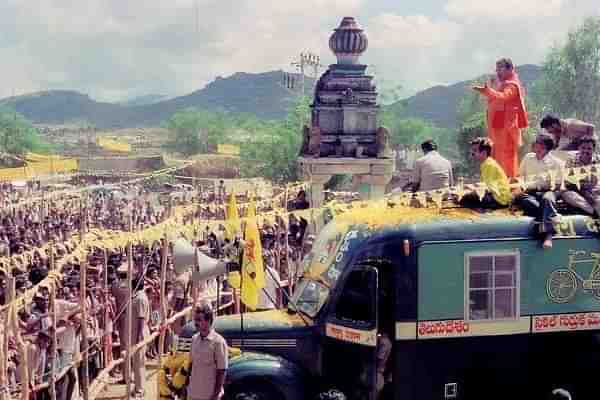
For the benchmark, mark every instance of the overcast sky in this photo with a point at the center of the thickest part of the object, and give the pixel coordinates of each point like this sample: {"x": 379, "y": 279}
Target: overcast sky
{"x": 117, "y": 49}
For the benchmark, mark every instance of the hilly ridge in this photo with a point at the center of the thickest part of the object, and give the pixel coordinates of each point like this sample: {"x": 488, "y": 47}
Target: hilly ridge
{"x": 261, "y": 94}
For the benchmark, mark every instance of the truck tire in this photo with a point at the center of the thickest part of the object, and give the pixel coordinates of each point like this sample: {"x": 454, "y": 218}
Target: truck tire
{"x": 252, "y": 390}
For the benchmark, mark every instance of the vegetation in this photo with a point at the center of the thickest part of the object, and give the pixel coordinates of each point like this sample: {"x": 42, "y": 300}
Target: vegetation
{"x": 268, "y": 148}
{"x": 571, "y": 74}
{"x": 18, "y": 136}
{"x": 273, "y": 151}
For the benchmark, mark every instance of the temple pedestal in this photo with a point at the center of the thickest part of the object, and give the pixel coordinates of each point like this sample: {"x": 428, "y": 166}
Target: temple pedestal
{"x": 370, "y": 175}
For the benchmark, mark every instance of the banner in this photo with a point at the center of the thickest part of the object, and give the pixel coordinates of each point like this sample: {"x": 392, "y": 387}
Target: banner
{"x": 113, "y": 145}
{"x": 229, "y": 149}
{"x": 38, "y": 169}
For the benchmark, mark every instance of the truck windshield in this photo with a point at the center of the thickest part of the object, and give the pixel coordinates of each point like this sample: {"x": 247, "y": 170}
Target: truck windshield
{"x": 309, "y": 297}
{"x": 323, "y": 252}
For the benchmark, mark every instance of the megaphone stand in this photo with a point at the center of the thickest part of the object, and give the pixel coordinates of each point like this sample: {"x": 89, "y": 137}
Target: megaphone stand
{"x": 242, "y": 307}
{"x": 193, "y": 282}
{"x": 218, "y": 278}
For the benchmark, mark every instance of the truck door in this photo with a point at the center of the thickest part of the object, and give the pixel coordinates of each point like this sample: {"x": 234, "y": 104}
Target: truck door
{"x": 349, "y": 351}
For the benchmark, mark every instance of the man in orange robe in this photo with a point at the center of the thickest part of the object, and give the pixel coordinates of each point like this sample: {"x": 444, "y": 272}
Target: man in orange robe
{"x": 506, "y": 115}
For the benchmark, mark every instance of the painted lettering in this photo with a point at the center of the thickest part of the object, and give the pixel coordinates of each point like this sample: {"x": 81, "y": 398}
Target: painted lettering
{"x": 443, "y": 328}
{"x": 591, "y": 225}
{"x": 566, "y": 228}
{"x": 566, "y": 322}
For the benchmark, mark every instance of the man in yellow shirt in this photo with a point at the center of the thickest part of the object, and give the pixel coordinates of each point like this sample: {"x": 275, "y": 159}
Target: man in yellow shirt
{"x": 496, "y": 192}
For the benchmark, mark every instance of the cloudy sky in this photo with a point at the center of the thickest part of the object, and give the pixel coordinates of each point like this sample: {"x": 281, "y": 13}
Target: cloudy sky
{"x": 117, "y": 49}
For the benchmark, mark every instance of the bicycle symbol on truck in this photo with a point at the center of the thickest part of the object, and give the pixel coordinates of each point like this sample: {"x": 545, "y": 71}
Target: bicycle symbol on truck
{"x": 562, "y": 284}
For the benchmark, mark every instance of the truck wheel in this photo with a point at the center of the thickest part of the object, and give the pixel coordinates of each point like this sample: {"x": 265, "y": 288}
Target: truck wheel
{"x": 253, "y": 391}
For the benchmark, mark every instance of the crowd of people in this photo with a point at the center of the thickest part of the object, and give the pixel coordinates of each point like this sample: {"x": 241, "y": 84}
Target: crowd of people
{"x": 29, "y": 231}
{"x": 36, "y": 233}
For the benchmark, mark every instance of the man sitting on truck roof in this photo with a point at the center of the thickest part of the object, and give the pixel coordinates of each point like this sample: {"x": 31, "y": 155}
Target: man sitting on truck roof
{"x": 586, "y": 194}
{"x": 497, "y": 193}
{"x": 539, "y": 198}
{"x": 431, "y": 172}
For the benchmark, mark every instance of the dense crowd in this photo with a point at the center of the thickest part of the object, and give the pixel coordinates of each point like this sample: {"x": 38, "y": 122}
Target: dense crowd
{"x": 25, "y": 229}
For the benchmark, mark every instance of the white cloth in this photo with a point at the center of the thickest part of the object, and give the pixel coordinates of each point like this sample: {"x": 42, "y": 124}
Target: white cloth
{"x": 535, "y": 172}
{"x": 271, "y": 285}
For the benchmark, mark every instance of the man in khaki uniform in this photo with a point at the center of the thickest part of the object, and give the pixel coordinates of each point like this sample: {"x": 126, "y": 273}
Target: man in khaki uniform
{"x": 139, "y": 332}
{"x": 209, "y": 358}
{"x": 119, "y": 291}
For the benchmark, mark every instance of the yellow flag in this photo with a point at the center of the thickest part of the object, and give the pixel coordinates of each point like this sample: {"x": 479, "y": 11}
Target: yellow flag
{"x": 232, "y": 211}
{"x": 252, "y": 207}
{"x": 253, "y": 272}
{"x": 232, "y": 217}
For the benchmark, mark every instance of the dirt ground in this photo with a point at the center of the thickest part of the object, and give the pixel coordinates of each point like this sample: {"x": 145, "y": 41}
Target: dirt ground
{"x": 114, "y": 391}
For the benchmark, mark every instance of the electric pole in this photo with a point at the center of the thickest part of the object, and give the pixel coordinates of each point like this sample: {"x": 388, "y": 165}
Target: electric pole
{"x": 307, "y": 60}
{"x": 197, "y": 17}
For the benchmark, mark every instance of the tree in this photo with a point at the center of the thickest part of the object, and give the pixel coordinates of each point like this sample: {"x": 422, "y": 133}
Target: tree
{"x": 272, "y": 150}
{"x": 471, "y": 124}
{"x": 571, "y": 74}
{"x": 18, "y": 136}
{"x": 414, "y": 131}
{"x": 185, "y": 128}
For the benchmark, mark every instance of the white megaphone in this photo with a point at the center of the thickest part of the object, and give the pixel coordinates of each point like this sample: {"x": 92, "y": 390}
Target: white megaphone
{"x": 186, "y": 257}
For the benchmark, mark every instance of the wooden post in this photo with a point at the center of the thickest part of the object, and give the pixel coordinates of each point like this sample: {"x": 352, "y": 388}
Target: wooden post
{"x": 53, "y": 338}
{"x": 286, "y": 242}
{"x": 107, "y": 341}
{"x": 129, "y": 315}
{"x": 84, "y": 334}
{"x": 81, "y": 229}
{"x": 21, "y": 346}
{"x": 163, "y": 308}
{"x": 4, "y": 394}
{"x": 195, "y": 284}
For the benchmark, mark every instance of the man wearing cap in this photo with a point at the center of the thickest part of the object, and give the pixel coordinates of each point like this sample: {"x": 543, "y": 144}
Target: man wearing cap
{"x": 209, "y": 358}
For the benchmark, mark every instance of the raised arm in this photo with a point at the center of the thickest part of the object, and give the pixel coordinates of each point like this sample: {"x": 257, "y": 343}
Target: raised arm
{"x": 509, "y": 92}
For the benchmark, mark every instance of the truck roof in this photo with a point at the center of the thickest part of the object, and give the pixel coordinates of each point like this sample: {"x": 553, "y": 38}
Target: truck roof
{"x": 431, "y": 224}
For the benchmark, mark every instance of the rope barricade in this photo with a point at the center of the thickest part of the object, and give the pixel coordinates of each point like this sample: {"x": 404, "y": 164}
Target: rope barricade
{"x": 174, "y": 227}
{"x": 571, "y": 176}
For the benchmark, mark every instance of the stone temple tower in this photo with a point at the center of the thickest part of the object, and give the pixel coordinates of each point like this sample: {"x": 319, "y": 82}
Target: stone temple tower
{"x": 344, "y": 136}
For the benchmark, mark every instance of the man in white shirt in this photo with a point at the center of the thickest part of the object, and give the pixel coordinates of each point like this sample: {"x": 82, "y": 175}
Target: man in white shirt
{"x": 432, "y": 171}
{"x": 537, "y": 170}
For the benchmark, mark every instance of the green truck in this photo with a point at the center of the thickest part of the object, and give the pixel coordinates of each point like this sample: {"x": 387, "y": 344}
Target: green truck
{"x": 474, "y": 307}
